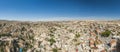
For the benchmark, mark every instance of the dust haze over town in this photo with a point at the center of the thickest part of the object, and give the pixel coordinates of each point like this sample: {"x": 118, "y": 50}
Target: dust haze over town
{"x": 59, "y": 26}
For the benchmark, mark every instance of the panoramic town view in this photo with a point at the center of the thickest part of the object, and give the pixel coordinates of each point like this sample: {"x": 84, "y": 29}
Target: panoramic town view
{"x": 63, "y": 36}
{"x": 59, "y": 26}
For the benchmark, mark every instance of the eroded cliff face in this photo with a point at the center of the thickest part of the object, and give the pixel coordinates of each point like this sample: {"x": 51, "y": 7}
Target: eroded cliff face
{"x": 59, "y": 36}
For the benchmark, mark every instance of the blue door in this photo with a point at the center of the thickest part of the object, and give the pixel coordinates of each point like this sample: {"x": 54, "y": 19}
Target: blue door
{"x": 20, "y": 50}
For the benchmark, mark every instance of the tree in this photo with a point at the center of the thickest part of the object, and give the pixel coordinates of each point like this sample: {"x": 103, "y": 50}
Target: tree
{"x": 55, "y": 50}
{"x": 106, "y": 33}
{"x": 52, "y": 41}
{"x": 77, "y": 35}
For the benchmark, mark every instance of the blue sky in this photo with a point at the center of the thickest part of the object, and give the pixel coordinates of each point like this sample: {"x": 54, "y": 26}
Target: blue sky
{"x": 35, "y": 10}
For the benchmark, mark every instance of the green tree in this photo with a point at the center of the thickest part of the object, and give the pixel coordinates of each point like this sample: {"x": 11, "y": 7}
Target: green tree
{"x": 106, "y": 33}
{"x": 55, "y": 50}
{"x": 77, "y": 35}
{"x": 52, "y": 41}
